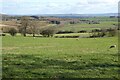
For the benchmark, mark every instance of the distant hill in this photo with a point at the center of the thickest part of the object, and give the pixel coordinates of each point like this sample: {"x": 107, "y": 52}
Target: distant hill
{"x": 64, "y": 15}
{"x": 79, "y": 15}
{"x": 8, "y": 17}
{"x": 106, "y": 14}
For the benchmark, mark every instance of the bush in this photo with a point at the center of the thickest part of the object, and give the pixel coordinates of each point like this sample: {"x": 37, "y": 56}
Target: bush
{"x": 82, "y": 31}
{"x": 98, "y": 33}
{"x": 111, "y": 32}
{"x": 5, "y": 29}
{"x": 72, "y": 22}
{"x": 96, "y": 30}
{"x": 103, "y": 32}
{"x": 2, "y": 34}
{"x": 64, "y": 32}
{"x": 55, "y": 22}
{"x": 12, "y": 31}
{"x": 94, "y": 22}
{"x": 48, "y": 32}
{"x": 66, "y": 36}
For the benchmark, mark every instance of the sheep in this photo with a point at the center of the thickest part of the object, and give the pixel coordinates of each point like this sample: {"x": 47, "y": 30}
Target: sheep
{"x": 113, "y": 46}
{"x": 77, "y": 39}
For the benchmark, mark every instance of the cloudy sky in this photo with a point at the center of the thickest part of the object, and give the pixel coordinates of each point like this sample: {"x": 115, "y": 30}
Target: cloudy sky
{"x": 23, "y": 7}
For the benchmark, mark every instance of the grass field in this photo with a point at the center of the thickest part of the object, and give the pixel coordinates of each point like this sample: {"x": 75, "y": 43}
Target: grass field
{"x": 101, "y": 19}
{"x": 59, "y": 58}
{"x": 89, "y": 27}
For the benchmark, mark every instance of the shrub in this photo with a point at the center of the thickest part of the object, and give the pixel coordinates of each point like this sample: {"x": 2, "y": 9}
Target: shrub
{"x": 64, "y": 32}
{"x": 66, "y": 36}
{"x": 111, "y": 32}
{"x": 12, "y": 31}
{"x": 55, "y": 22}
{"x": 72, "y": 22}
{"x": 98, "y": 33}
{"x": 118, "y": 28}
{"x": 93, "y": 22}
{"x": 47, "y": 32}
{"x": 2, "y": 34}
{"x": 5, "y": 29}
{"x": 82, "y": 31}
{"x": 96, "y": 30}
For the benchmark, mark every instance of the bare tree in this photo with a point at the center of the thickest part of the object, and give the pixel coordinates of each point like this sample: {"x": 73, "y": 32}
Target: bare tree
{"x": 34, "y": 27}
{"x": 24, "y": 25}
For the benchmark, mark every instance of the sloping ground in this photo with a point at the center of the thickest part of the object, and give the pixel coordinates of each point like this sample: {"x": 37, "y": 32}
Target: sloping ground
{"x": 2, "y": 25}
{"x": 10, "y": 23}
{"x": 17, "y": 23}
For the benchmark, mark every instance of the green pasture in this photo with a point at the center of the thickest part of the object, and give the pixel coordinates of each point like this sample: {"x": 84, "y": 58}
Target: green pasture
{"x": 105, "y": 22}
{"x": 28, "y": 57}
{"x": 88, "y": 27}
{"x": 101, "y": 19}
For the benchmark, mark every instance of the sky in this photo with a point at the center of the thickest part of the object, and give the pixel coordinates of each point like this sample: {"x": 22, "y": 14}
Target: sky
{"x": 26, "y": 7}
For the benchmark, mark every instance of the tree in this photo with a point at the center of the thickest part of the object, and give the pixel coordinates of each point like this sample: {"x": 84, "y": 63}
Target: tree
{"x": 47, "y": 32}
{"x": 12, "y": 31}
{"x": 98, "y": 33}
{"x": 24, "y": 25}
{"x": 34, "y": 27}
{"x": 111, "y": 32}
{"x": 5, "y": 29}
{"x": 55, "y": 22}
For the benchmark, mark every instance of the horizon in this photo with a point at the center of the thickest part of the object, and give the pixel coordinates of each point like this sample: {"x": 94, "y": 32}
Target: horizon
{"x": 21, "y": 7}
{"x": 55, "y": 14}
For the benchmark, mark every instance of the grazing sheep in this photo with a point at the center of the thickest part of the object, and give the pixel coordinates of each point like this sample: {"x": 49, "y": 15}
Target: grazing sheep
{"x": 113, "y": 46}
{"x": 77, "y": 39}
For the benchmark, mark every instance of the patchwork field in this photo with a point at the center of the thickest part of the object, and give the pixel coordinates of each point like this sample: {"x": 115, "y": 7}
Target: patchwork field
{"x": 28, "y": 57}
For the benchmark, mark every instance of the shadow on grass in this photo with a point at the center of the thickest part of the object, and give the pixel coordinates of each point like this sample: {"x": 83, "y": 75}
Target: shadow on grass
{"x": 16, "y": 65}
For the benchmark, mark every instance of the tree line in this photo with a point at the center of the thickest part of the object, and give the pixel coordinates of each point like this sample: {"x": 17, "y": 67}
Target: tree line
{"x": 30, "y": 26}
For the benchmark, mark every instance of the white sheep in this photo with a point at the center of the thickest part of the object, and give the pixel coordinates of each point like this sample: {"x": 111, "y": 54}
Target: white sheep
{"x": 113, "y": 46}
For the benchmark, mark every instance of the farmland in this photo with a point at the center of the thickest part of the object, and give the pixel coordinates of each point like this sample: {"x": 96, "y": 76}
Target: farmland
{"x": 59, "y": 58}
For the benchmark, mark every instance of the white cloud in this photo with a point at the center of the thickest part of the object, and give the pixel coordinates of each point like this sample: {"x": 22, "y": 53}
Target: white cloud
{"x": 59, "y": 6}
{"x": 13, "y": 1}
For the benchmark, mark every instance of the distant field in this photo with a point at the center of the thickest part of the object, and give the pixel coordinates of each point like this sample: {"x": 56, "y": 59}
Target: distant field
{"x": 89, "y": 27}
{"x": 105, "y": 22}
{"x": 102, "y": 19}
{"x": 59, "y": 58}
